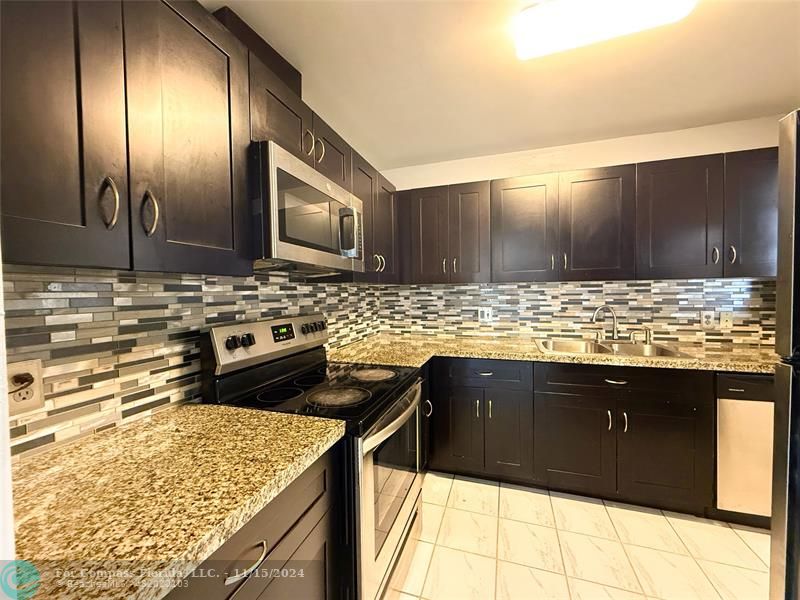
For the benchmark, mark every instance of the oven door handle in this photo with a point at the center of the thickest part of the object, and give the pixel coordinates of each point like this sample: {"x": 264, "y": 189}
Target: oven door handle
{"x": 384, "y": 433}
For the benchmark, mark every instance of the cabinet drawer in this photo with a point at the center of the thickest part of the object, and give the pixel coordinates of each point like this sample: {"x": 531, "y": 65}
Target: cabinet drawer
{"x": 746, "y": 387}
{"x": 601, "y": 379}
{"x": 508, "y": 374}
{"x": 309, "y": 496}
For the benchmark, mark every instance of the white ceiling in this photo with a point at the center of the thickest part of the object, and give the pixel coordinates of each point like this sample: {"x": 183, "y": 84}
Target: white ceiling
{"x": 412, "y": 82}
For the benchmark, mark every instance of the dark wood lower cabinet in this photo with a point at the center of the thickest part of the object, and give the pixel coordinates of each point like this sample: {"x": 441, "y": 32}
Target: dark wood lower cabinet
{"x": 575, "y": 442}
{"x": 508, "y": 433}
{"x": 457, "y": 429}
{"x": 665, "y": 450}
{"x": 633, "y": 434}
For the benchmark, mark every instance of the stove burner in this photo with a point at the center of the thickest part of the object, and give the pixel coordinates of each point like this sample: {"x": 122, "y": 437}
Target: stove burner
{"x": 278, "y": 395}
{"x": 310, "y": 380}
{"x": 373, "y": 374}
{"x": 338, "y": 396}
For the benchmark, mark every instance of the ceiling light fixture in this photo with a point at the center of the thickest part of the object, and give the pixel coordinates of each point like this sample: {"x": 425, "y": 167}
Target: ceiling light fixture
{"x": 553, "y": 26}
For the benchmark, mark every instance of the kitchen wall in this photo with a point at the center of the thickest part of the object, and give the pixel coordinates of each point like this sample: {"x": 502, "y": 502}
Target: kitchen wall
{"x": 670, "y": 308}
{"x": 117, "y": 346}
{"x": 722, "y": 137}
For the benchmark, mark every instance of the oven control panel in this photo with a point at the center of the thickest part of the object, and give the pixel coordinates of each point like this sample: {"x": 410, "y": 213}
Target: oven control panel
{"x": 246, "y": 344}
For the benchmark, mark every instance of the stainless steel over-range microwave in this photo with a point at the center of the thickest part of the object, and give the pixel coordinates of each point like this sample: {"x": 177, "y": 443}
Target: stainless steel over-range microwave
{"x": 308, "y": 223}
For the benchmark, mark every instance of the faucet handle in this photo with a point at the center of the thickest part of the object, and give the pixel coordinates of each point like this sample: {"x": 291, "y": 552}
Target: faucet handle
{"x": 648, "y": 334}
{"x": 599, "y": 332}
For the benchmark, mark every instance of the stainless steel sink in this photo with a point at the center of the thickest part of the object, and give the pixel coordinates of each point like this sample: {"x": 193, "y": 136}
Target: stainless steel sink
{"x": 562, "y": 346}
{"x": 571, "y": 347}
{"x": 636, "y": 349}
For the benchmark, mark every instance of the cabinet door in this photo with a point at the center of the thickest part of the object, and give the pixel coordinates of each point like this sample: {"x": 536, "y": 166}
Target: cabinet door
{"x": 597, "y": 216}
{"x": 509, "y": 433}
{"x": 429, "y": 245}
{"x": 365, "y": 188}
{"x": 277, "y": 113}
{"x": 385, "y": 231}
{"x": 457, "y": 422}
{"x": 332, "y": 155}
{"x": 188, "y": 132}
{"x": 575, "y": 442}
{"x": 679, "y": 206}
{"x": 469, "y": 233}
{"x": 314, "y": 556}
{"x": 666, "y": 449}
{"x": 751, "y": 213}
{"x": 525, "y": 228}
{"x": 63, "y": 148}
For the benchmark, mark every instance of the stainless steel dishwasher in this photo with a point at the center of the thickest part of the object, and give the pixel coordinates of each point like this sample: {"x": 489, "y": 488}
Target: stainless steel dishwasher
{"x": 745, "y": 411}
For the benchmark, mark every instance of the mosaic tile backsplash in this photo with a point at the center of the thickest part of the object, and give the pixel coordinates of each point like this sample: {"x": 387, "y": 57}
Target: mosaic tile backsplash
{"x": 117, "y": 346}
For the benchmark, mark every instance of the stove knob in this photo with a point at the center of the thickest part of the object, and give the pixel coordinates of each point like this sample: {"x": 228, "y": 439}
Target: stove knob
{"x": 248, "y": 339}
{"x": 305, "y": 329}
{"x": 233, "y": 342}
{"x": 313, "y": 326}
{"x": 321, "y": 325}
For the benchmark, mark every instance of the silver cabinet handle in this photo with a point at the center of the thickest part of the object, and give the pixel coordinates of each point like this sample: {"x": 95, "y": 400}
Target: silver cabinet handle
{"x": 477, "y": 409}
{"x": 715, "y": 254}
{"x": 454, "y": 264}
{"x": 246, "y": 573}
{"x": 308, "y": 133}
{"x": 322, "y": 154}
{"x": 430, "y": 408}
{"x": 552, "y": 262}
{"x": 490, "y": 409}
{"x": 616, "y": 382}
{"x": 377, "y": 260}
{"x": 625, "y": 417}
{"x": 608, "y": 412}
{"x": 148, "y": 196}
{"x": 444, "y": 265}
{"x": 109, "y": 184}
{"x": 565, "y": 261}
{"x": 740, "y": 390}
{"x": 381, "y": 263}
{"x": 485, "y": 373}
{"x": 733, "y": 254}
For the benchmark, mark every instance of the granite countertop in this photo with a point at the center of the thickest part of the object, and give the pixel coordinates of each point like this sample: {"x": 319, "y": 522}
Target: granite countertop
{"x": 157, "y": 496}
{"x": 416, "y": 350}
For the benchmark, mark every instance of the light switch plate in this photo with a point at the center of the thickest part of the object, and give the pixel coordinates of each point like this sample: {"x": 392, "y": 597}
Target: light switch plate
{"x": 726, "y": 320}
{"x": 708, "y": 319}
{"x": 27, "y": 397}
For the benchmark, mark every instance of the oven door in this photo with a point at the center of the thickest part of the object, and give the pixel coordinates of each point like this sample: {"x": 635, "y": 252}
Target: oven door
{"x": 313, "y": 221}
{"x": 390, "y": 486}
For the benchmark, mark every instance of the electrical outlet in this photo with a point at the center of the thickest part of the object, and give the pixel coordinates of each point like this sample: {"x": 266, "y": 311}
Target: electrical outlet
{"x": 485, "y": 314}
{"x": 708, "y": 319}
{"x": 726, "y": 320}
{"x": 25, "y": 387}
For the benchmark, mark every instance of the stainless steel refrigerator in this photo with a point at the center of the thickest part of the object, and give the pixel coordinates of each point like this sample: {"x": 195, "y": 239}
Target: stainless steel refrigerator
{"x": 785, "y": 553}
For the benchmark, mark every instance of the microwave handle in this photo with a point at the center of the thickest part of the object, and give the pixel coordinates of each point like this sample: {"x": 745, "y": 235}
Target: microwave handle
{"x": 346, "y": 248}
{"x": 376, "y": 439}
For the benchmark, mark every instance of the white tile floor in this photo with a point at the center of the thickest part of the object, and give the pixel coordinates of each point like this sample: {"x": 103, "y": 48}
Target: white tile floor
{"x": 485, "y": 541}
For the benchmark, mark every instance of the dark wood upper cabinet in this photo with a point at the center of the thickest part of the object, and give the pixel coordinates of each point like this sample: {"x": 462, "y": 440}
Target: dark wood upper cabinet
{"x": 277, "y": 113}
{"x": 332, "y": 155}
{"x": 679, "y": 211}
{"x": 365, "y": 188}
{"x": 386, "y": 231}
{"x": 429, "y": 221}
{"x": 63, "y": 149}
{"x": 469, "y": 233}
{"x": 597, "y": 216}
{"x": 188, "y": 137}
{"x": 751, "y": 213}
{"x": 525, "y": 228}
{"x": 508, "y": 433}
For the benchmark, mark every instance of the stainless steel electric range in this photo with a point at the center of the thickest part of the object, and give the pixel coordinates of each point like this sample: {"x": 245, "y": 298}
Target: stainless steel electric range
{"x": 281, "y": 365}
